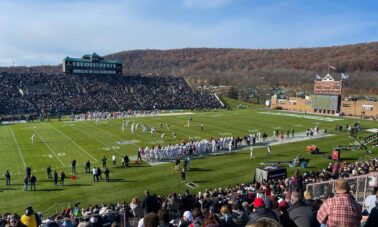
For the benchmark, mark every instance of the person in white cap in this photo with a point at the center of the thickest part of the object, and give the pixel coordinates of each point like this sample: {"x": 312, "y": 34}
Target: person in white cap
{"x": 186, "y": 219}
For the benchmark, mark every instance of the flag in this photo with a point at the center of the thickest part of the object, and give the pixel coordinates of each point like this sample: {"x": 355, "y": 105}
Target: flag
{"x": 331, "y": 66}
{"x": 344, "y": 76}
{"x": 317, "y": 77}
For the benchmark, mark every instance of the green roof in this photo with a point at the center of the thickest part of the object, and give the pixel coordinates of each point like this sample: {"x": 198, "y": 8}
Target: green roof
{"x": 88, "y": 60}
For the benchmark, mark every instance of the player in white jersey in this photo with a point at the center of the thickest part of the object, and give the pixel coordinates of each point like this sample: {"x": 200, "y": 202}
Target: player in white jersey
{"x": 97, "y": 122}
{"x": 123, "y": 128}
{"x": 33, "y": 138}
{"x": 114, "y": 160}
{"x": 251, "y": 154}
{"x": 268, "y": 151}
{"x": 174, "y": 135}
{"x": 162, "y": 135}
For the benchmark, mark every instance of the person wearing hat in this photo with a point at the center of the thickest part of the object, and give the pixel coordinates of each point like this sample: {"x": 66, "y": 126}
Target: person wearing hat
{"x": 30, "y": 219}
{"x": 186, "y": 219}
{"x": 260, "y": 211}
{"x": 284, "y": 217}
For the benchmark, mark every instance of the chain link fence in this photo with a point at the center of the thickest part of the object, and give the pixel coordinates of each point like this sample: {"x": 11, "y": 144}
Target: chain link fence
{"x": 360, "y": 187}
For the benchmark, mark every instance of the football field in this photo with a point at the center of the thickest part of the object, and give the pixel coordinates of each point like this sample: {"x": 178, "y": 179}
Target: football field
{"x": 58, "y": 143}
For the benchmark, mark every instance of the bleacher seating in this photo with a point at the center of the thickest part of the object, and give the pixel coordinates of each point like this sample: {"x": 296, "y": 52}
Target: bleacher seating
{"x": 24, "y": 94}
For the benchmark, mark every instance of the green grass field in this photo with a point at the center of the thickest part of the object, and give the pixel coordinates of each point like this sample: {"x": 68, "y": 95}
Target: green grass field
{"x": 58, "y": 143}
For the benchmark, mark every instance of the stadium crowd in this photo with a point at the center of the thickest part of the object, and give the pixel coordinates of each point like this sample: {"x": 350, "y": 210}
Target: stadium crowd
{"x": 28, "y": 96}
{"x": 278, "y": 202}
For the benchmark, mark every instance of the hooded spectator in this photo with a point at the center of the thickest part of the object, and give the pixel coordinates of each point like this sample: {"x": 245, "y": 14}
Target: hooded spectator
{"x": 30, "y": 219}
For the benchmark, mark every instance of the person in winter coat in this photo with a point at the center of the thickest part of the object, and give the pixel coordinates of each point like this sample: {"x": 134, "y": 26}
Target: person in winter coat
{"x": 299, "y": 212}
{"x": 260, "y": 211}
{"x": 30, "y": 219}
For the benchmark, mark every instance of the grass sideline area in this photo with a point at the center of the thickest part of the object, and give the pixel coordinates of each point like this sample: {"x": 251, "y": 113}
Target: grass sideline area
{"x": 58, "y": 143}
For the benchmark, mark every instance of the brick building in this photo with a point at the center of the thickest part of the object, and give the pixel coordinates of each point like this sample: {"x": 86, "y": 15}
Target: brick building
{"x": 327, "y": 99}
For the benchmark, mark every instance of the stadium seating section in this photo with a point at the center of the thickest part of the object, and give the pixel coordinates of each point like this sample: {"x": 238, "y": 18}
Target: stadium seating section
{"x": 23, "y": 94}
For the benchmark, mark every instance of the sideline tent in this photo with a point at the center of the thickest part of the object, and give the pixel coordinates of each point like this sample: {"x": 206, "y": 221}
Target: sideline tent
{"x": 270, "y": 172}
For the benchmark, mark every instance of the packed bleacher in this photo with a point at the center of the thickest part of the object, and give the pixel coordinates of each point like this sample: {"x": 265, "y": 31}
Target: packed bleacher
{"x": 278, "y": 202}
{"x": 32, "y": 94}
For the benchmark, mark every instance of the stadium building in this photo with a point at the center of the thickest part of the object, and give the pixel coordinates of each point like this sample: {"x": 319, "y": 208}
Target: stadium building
{"x": 327, "y": 98}
{"x": 91, "y": 64}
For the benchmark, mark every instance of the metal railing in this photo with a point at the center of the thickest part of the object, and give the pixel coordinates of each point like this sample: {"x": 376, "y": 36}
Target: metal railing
{"x": 360, "y": 187}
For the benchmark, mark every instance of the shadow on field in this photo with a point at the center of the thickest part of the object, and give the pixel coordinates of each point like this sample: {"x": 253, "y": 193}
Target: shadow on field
{"x": 77, "y": 185}
{"x": 137, "y": 166}
{"x": 200, "y": 169}
{"x": 348, "y": 159}
{"x": 200, "y": 181}
{"x": 50, "y": 189}
{"x": 121, "y": 180}
{"x": 7, "y": 189}
{"x": 132, "y": 166}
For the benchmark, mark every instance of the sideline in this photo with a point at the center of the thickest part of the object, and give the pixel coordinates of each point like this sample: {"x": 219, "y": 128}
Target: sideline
{"x": 298, "y": 138}
{"x": 18, "y": 147}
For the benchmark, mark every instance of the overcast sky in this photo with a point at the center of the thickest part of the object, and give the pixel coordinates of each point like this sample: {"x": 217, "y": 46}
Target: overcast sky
{"x": 34, "y": 32}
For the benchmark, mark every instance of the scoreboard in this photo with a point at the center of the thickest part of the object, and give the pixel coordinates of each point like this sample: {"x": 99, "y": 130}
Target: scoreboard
{"x": 328, "y": 86}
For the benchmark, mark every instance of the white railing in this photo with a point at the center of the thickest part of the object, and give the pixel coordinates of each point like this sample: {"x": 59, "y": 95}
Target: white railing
{"x": 360, "y": 187}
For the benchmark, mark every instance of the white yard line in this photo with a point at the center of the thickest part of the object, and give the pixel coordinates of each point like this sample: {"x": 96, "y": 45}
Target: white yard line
{"x": 97, "y": 140}
{"x": 82, "y": 149}
{"x": 51, "y": 150}
{"x": 114, "y": 135}
{"x": 311, "y": 117}
{"x": 18, "y": 147}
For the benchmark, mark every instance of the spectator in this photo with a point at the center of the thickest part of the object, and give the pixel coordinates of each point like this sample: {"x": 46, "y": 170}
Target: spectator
{"x": 372, "y": 220}
{"x": 308, "y": 198}
{"x": 197, "y": 217}
{"x": 149, "y": 203}
{"x": 226, "y": 218}
{"x": 316, "y": 206}
{"x": 186, "y": 220}
{"x": 264, "y": 222}
{"x": 211, "y": 220}
{"x": 299, "y": 212}
{"x": 261, "y": 211}
{"x": 33, "y": 180}
{"x": 284, "y": 217}
{"x": 151, "y": 220}
{"x": 370, "y": 201}
{"x": 164, "y": 219}
{"x": 136, "y": 208}
{"x": 342, "y": 209}
{"x": 30, "y": 219}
